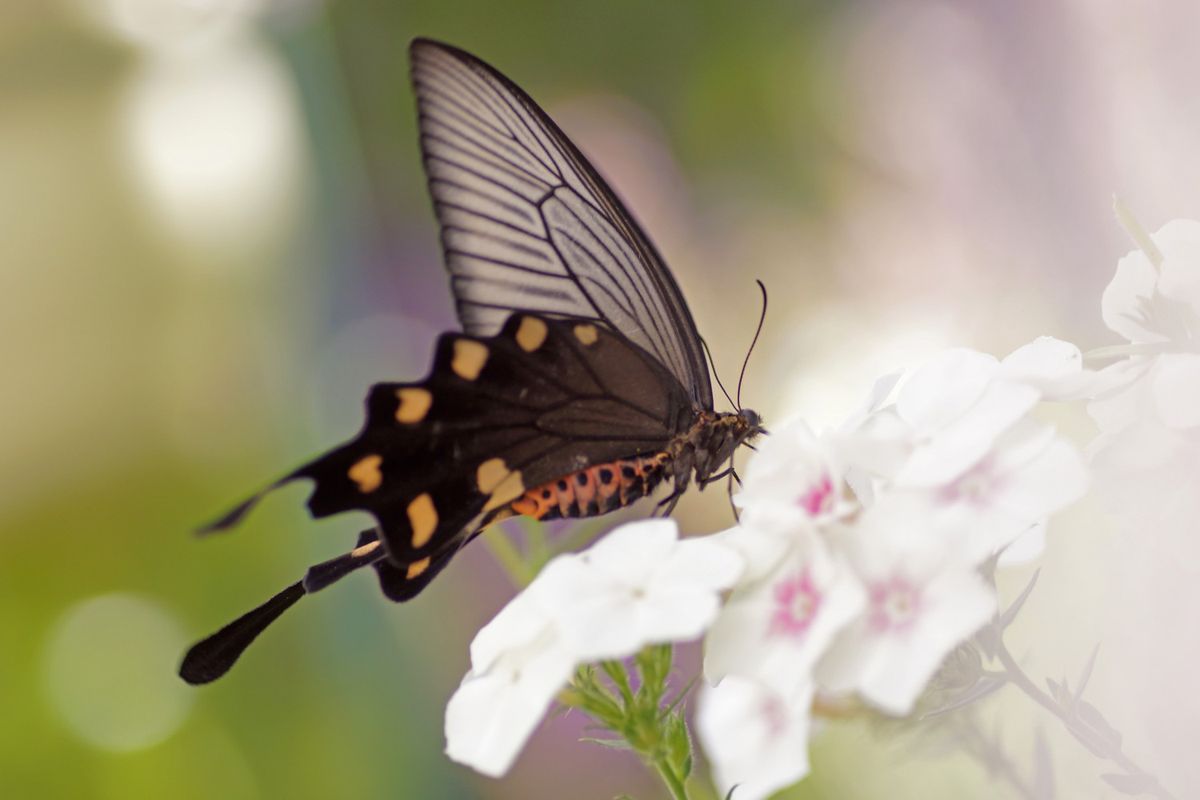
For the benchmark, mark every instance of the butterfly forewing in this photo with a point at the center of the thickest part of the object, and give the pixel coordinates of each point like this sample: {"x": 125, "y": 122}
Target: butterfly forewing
{"x": 527, "y": 224}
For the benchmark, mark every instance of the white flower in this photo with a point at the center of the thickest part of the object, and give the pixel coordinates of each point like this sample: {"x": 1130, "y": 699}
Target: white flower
{"x": 924, "y": 597}
{"x": 959, "y": 435}
{"x": 518, "y": 665}
{"x": 1149, "y": 303}
{"x": 957, "y": 405}
{"x": 1029, "y": 474}
{"x": 1053, "y": 367}
{"x": 791, "y": 479}
{"x": 756, "y": 739}
{"x": 776, "y": 628}
{"x": 1158, "y": 307}
{"x": 640, "y": 585}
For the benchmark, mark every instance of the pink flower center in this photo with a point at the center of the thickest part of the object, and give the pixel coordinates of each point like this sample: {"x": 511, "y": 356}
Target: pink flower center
{"x": 819, "y": 496}
{"x": 797, "y": 601}
{"x": 895, "y": 604}
{"x": 774, "y": 716}
{"x": 972, "y": 487}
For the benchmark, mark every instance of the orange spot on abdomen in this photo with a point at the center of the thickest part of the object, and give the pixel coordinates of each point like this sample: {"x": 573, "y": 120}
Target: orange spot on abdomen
{"x": 593, "y": 490}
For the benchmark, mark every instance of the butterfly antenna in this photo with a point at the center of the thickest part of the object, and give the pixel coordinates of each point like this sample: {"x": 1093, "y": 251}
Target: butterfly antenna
{"x": 762, "y": 317}
{"x": 708, "y": 353}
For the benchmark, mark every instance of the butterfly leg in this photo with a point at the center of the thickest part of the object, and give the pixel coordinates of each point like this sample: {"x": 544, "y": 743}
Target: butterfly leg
{"x": 668, "y": 503}
{"x": 733, "y": 476}
{"x": 725, "y": 473}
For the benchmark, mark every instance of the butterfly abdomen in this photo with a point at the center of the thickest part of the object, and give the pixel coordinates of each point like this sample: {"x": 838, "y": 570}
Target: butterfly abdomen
{"x": 594, "y": 490}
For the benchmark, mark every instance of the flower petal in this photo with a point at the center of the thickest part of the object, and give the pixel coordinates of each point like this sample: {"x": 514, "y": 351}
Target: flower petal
{"x": 756, "y": 740}
{"x": 941, "y": 390}
{"x": 1176, "y": 387}
{"x": 1126, "y": 299}
{"x": 491, "y": 715}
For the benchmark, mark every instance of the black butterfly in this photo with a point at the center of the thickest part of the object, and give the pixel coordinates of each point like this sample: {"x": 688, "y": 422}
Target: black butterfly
{"x": 578, "y": 385}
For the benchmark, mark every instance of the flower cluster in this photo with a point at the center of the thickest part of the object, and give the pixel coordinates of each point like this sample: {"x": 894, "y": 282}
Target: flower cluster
{"x": 863, "y": 549}
{"x": 862, "y": 556}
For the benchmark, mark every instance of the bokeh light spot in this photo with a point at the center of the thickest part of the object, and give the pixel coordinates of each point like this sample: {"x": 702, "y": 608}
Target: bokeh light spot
{"x": 110, "y": 672}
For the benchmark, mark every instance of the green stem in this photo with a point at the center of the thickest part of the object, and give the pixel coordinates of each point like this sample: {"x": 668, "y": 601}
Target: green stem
{"x": 1138, "y": 234}
{"x": 1106, "y": 749}
{"x": 674, "y": 784}
{"x": 537, "y": 550}
{"x": 506, "y": 554}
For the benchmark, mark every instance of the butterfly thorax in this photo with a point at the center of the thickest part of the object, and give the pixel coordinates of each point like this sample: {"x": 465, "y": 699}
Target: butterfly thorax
{"x": 699, "y": 452}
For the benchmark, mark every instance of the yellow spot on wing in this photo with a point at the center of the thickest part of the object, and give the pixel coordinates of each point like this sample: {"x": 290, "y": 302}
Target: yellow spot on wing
{"x": 366, "y": 474}
{"x": 531, "y": 333}
{"x": 414, "y": 404}
{"x": 490, "y": 473}
{"x": 499, "y": 482}
{"x": 417, "y": 567}
{"x": 423, "y": 518}
{"x": 366, "y": 549}
{"x": 469, "y": 358}
{"x": 586, "y": 333}
{"x": 509, "y": 489}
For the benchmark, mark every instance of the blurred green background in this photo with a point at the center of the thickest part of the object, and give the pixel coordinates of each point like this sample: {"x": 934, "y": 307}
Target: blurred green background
{"x": 214, "y": 235}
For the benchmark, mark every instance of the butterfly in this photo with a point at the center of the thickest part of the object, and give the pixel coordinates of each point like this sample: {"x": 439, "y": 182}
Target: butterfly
{"x": 578, "y": 384}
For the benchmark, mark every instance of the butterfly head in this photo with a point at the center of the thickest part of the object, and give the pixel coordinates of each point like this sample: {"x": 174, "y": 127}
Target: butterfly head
{"x": 752, "y": 421}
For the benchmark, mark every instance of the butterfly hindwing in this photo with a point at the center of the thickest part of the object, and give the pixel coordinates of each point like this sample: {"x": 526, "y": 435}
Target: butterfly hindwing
{"x": 496, "y": 416}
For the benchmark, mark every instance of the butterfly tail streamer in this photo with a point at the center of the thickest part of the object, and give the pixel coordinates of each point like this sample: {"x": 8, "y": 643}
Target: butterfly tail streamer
{"x": 212, "y": 657}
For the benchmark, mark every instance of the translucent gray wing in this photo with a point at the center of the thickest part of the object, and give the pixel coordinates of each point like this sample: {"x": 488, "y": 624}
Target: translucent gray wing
{"x": 528, "y": 224}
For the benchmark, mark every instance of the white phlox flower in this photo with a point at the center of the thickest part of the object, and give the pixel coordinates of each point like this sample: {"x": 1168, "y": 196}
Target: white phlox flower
{"x": 518, "y": 664}
{"x": 957, "y": 405}
{"x": 639, "y": 585}
{"x": 792, "y": 479}
{"x": 756, "y": 738}
{"x": 960, "y": 435}
{"x": 924, "y": 597}
{"x": 775, "y": 628}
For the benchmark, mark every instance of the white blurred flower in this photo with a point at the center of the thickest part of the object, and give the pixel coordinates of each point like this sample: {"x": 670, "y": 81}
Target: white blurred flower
{"x": 960, "y": 437}
{"x": 215, "y": 143}
{"x": 791, "y": 479}
{"x": 1030, "y": 473}
{"x": 957, "y": 404}
{"x": 924, "y": 597}
{"x": 518, "y": 665}
{"x": 1148, "y": 302}
{"x": 1053, "y": 367}
{"x": 776, "y": 628}
{"x": 756, "y": 739}
{"x": 639, "y": 585}
{"x": 1156, "y": 306}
